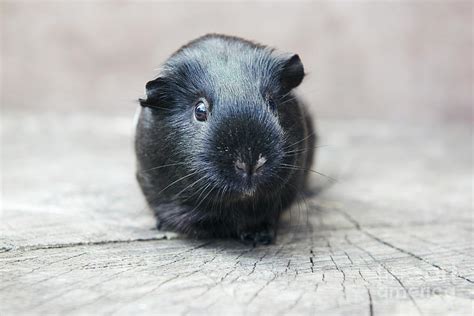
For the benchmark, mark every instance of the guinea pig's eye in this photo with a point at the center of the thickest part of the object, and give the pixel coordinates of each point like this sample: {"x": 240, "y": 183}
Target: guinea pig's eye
{"x": 201, "y": 111}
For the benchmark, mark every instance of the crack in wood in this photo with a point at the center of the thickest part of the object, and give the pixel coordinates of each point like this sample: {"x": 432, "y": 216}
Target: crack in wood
{"x": 294, "y": 304}
{"x": 83, "y": 243}
{"x": 371, "y": 305}
{"x": 257, "y": 262}
{"x": 359, "y": 227}
{"x": 403, "y": 286}
{"x": 41, "y": 267}
{"x": 254, "y": 296}
{"x": 237, "y": 262}
{"x": 348, "y": 257}
{"x": 343, "y": 283}
{"x": 389, "y": 272}
{"x": 417, "y": 257}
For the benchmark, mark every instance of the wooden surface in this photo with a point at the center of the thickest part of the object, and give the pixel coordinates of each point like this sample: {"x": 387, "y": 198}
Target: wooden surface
{"x": 394, "y": 235}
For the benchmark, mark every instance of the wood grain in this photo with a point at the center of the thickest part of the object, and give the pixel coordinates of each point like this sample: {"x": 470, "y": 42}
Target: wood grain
{"x": 392, "y": 236}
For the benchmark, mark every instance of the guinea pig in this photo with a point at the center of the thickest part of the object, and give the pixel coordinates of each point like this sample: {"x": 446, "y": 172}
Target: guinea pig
{"x": 223, "y": 146}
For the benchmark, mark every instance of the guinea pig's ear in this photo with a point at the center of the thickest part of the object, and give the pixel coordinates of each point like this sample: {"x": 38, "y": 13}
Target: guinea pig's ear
{"x": 154, "y": 93}
{"x": 292, "y": 73}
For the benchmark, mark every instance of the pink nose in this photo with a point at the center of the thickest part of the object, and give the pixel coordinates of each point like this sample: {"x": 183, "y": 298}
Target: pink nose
{"x": 246, "y": 169}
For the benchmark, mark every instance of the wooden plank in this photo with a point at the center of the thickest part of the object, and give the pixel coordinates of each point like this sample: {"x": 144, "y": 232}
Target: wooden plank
{"x": 70, "y": 179}
{"x": 392, "y": 236}
{"x": 306, "y": 272}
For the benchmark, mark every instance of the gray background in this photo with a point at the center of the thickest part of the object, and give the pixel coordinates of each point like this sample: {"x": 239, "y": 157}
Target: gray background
{"x": 401, "y": 60}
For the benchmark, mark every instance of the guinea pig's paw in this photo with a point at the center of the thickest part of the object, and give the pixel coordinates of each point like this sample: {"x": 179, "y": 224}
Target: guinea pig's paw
{"x": 247, "y": 238}
{"x": 260, "y": 237}
{"x": 265, "y": 237}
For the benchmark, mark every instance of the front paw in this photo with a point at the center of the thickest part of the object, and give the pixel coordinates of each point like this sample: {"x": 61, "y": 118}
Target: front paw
{"x": 260, "y": 237}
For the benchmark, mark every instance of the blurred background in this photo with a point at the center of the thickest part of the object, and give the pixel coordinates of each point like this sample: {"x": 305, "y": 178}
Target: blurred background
{"x": 397, "y": 60}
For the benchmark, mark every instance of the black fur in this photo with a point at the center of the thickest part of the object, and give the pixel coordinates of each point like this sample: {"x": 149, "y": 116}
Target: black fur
{"x": 186, "y": 168}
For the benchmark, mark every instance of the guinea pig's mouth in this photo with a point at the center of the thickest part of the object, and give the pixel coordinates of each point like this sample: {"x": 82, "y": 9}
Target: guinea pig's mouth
{"x": 248, "y": 193}
{"x": 243, "y": 191}
{"x": 248, "y": 188}
{"x": 242, "y": 195}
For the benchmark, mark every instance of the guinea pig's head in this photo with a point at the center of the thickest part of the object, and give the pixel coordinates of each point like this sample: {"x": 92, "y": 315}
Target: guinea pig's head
{"x": 219, "y": 106}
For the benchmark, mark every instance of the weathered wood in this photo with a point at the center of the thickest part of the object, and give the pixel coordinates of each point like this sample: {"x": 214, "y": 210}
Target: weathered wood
{"x": 392, "y": 236}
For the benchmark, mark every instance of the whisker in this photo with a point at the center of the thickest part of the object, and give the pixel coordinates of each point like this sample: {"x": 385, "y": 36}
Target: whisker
{"x": 163, "y": 166}
{"x": 288, "y": 100}
{"x": 221, "y": 202}
{"x": 305, "y": 149}
{"x": 157, "y": 197}
{"x": 286, "y": 166}
{"x": 300, "y": 197}
{"x": 307, "y": 136}
{"x": 192, "y": 184}
{"x": 199, "y": 191}
{"x": 215, "y": 203}
{"x": 180, "y": 179}
{"x": 205, "y": 187}
{"x": 204, "y": 198}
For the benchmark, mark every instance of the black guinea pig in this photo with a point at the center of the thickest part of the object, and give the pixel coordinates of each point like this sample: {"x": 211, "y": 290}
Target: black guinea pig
{"x": 223, "y": 146}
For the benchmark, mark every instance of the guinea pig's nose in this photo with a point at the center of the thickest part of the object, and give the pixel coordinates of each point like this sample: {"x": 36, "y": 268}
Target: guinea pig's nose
{"x": 259, "y": 164}
{"x": 246, "y": 169}
{"x": 242, "y": 167}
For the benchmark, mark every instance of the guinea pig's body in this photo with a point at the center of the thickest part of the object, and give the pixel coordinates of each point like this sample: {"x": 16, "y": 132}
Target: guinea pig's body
{"x": 222, "y": 144}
